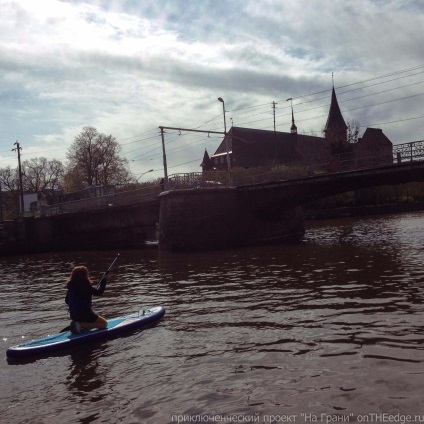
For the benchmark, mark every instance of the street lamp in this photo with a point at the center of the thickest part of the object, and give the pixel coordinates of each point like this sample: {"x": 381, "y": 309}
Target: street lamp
{"x": 225, "y": 134}
{"x": 223, "y": 108}
{"x": 150, "y": 170}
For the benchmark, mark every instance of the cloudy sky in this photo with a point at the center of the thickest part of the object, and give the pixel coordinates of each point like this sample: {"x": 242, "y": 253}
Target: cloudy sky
{"x": 127, "y": 67}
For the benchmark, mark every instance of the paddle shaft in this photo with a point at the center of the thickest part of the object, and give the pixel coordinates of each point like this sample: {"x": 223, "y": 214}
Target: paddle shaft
{"x": 111, "y": 265}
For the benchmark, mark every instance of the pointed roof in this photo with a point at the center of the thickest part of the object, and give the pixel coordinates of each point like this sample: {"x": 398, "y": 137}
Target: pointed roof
{"x": 206, "y": 162}
{"x": 293, "y": 128}
{"x": 335, "y": 117}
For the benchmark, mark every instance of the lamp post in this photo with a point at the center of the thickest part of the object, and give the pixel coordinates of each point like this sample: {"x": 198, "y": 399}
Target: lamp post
{"x": 225, "y": 133}
{"x": 150, "y": 170}
{"x": 223, "y": 108}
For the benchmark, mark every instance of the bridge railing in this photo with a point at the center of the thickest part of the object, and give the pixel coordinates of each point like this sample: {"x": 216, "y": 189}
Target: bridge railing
{"x": 409, "y": 151}
{"x": 217, "y": 179}
{"x": 123, "y": 198}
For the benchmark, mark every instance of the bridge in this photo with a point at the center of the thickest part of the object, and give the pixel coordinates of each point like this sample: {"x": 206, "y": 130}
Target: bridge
{"x": 264, "y": 205}
{"x": 281, "y": 195}
{"x": 216, "y": 209}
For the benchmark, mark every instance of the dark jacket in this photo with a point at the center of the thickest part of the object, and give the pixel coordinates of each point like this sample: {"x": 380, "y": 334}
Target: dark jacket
{"x": 78, "y": 298}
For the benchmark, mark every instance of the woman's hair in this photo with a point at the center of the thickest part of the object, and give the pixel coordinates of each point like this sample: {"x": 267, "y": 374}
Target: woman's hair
{"x": 79, "y": 273}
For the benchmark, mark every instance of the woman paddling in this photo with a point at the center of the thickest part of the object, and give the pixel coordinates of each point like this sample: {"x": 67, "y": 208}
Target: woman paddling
{"x": 79, "y": 299}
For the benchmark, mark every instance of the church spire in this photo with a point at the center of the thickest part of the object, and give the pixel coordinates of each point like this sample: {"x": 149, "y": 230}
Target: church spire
{"x": 207, "y": 163}
{"x": 335, "y": 128}
{"x": 293, "y": 128}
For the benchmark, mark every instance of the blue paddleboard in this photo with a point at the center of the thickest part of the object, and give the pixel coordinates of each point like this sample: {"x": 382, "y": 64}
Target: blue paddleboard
{"x": 66, "y": 339}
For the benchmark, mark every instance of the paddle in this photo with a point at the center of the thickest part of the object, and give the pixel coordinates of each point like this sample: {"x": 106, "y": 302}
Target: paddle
{"x": 107, "y": 272}
{"x": 98, "y": 284}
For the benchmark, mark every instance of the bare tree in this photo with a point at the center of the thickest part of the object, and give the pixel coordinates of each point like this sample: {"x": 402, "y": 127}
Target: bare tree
{"x": 353, "y": 128}
{"x": 73, "y": 180}
{"x": 40, "y": 173}
{"x": 9, "y": 181}
{"x": 82, "y": 155}
{"x": 94, "y": 160}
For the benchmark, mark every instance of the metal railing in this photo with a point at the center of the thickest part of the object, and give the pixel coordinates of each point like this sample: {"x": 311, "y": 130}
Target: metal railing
{"x": 409, "y": 151}
{"x": 124, "y": 198}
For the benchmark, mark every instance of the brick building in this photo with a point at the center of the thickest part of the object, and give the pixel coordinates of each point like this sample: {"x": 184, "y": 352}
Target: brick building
{"x": 247, "y": 147}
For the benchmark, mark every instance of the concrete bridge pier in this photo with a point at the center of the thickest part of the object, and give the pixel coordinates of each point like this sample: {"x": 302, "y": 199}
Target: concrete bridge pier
{"x": 220, "y": 218}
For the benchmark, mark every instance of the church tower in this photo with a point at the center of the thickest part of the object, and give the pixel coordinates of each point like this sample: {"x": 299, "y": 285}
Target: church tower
{"x": 336, "y": 129}
{"x": 293, "y": 128}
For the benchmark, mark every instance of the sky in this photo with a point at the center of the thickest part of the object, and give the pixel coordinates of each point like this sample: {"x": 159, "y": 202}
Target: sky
{"x": 127, "y": 67}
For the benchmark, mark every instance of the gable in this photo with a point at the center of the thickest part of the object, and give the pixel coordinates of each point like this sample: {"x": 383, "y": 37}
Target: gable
{"x": 373, "y": 138}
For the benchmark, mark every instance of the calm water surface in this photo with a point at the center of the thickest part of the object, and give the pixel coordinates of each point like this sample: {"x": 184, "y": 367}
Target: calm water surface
{"x": 333, "y": 325}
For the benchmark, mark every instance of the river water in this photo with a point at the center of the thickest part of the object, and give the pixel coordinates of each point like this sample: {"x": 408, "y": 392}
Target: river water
{"x": 330, "y": 329}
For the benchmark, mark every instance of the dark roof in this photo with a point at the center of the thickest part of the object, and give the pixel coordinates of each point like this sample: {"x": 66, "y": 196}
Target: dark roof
{"x": 373, "y": 138}
{"x": 311, "y": 149}
{"x": 335, "y": 117}
{"x": 206, "y": 162}
{"x": 223, "y": 147}
{"x": 253, "y": 147}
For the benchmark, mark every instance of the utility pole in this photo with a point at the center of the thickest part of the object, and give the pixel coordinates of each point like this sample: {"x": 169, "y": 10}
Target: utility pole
{"x": 18, "y": 149}
{"x": 165, "y": 166}
{"x": 273, "y": 111}
{"x": 1, "y": 205}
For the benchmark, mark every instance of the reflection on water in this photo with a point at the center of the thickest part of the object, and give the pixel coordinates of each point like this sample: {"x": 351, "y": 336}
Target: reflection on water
{"x": 331, "y": 325}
